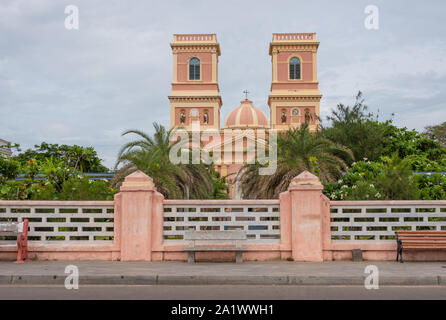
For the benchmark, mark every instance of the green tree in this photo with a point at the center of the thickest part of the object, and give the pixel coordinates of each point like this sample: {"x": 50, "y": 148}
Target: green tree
{"x": 431, "y": 186}
{"x": 84, "y": 159}
{"x": 220, "y": 186}
{"x": 409, "y": 142}
{"x": 396, "y": 181}
{"x": 391, "y": 178}
{"x": 297, "y": 150}
{"x": 437, "y": 132}
{"x": 357, "y": 129}
{"x": 370, "y": 139}
{"x": 150, "y": 154}
{"x": 9, "y": 168}
{"x": 55, "y": 171}
{"x": 60, "y": 181}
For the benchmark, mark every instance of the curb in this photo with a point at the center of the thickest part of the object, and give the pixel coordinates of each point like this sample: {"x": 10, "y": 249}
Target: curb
{"x": 220, "y": 280}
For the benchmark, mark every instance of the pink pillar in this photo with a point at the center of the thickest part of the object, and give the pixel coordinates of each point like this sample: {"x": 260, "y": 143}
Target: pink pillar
{"x": 307, "y": 218}
{"x": 285, "y": 225}
{"x": 157, "y": 226}
{"x": 137, "y": 195}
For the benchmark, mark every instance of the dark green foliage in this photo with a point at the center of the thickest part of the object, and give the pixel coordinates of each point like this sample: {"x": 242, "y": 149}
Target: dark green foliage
{"x": 387, "y": 157}
{"x": 297, "y": 150}
{"x": 150, "y": 154}
{"x": 432, "y": 186}
{"x": 437, "y": 133}
{"x": 82, "y": 188}
{"x": 370, "y": 139}
{"x": 409, "y": 143}
{"x": 83, "y": 159}
{"x": 391, "y": 178}
{"x": 357, "y": 129}
{"x": 9, "y": 169}
{"x": 396, "y": 180}
{"x": 62, "y": 168}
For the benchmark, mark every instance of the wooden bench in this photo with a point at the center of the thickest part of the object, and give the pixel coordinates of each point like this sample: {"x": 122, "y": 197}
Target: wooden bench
{"x": 419, "y": 240}
{"x": 19, "y": 229}
{"x": 223, "y": 238}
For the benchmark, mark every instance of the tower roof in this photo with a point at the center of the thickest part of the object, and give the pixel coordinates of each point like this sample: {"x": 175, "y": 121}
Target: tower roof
{"x": 197, "y": 40}
{"x": 293, "y": 39}
{"x": 246, "y": 116}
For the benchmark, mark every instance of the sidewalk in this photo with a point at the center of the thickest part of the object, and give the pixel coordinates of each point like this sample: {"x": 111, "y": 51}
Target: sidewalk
{"x": 255, "y": 273}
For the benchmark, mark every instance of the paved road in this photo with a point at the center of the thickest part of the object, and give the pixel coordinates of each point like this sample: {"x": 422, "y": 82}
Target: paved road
{"x": 211, "y": 292}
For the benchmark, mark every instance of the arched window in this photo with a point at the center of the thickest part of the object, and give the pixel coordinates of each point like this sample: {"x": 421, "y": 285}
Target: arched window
{"x": 294, "y": 68}
{"x": 194, "y": 69}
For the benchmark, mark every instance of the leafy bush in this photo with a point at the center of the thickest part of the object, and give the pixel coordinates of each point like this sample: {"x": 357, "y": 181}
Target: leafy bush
{"x": 409, "y": 142}
{"x": 421, "y": 163}
{"x": 396, "y": 181}
{"x": 431, "y": 186}
{"x": 387, "y": 156}
{"x": 9, "y": 169}
{"x": 15, "y": 190}
{"x": 75, "y": 188}
{"x": 389, "y": 179}
{"x": 361, "y": 190}
{"x": 437, "y": 133}
{"x": 83, "y": 159}
{"x": 61, "y": 182}
{"x": 82, "y": 188}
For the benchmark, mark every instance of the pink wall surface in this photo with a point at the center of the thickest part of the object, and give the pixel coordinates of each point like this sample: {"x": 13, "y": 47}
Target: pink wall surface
{"x": 195, "y": 85}
{"x": 284, "y": 56}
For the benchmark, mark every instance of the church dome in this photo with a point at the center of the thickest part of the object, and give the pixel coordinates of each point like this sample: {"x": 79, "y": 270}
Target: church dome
{"x": 246, "y": 116}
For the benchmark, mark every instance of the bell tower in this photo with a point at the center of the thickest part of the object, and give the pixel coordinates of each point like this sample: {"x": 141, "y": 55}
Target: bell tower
{"x": 195, "y": 94}
{"x": 295, "y": 97}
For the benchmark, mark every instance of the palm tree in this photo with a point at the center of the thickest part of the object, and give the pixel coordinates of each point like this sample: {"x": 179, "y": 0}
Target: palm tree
{"x": 297, "y": 150}
{"x": 151, "y": 155}
{"x": 396, "y": 181}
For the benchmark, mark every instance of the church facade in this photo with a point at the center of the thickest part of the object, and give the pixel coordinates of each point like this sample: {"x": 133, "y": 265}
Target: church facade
{"x": 294, "y": 96}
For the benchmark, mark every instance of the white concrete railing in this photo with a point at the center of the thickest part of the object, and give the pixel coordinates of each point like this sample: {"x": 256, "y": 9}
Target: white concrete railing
{"x": 65, "y": 222}
{"x": 211, "y": 37}
{"x": 293, "y": 36}
{"x": 378, "y": 220}
{"x": 260, "y": 219}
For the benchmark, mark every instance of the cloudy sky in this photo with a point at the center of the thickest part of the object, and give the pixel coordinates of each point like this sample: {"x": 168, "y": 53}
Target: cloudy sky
{"x": 87, "y": 86}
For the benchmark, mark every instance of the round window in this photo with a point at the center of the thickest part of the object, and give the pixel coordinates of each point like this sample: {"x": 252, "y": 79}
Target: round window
{"x": 295, "y": 112}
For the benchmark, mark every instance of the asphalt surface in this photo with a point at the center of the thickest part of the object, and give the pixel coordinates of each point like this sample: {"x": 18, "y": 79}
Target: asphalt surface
{"x": 222, "y": 292}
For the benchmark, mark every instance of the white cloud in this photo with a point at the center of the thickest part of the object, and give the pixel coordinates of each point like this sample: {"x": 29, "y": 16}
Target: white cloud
{"x": 387, "y": 70}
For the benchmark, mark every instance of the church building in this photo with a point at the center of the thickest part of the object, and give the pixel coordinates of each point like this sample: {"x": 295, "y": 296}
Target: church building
{"x": 294, "y": 96}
